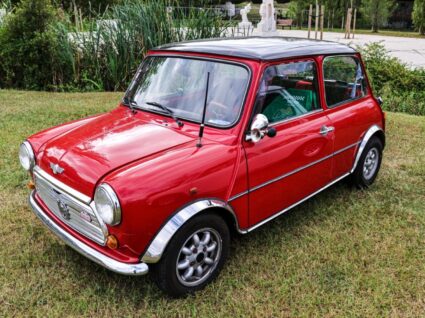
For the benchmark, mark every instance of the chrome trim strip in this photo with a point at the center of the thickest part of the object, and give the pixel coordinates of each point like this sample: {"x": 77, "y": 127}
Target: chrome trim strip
{"x": 160, "y": 242}
{"x": 85, "y": 250}
{"x": 238, "y": 195}
{"x": 369, "y": 133}
{"x": 292, "y": 172}
{"x": 62, "y": 187}
{"x": 292, "y": 206}
{"x": 346, "y": 148}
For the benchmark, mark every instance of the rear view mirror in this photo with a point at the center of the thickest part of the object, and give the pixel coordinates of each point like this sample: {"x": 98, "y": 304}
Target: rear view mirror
{"x": 260, "y": 128}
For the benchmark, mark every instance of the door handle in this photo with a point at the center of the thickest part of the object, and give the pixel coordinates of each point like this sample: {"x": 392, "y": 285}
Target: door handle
{"x": 324, "y": 130}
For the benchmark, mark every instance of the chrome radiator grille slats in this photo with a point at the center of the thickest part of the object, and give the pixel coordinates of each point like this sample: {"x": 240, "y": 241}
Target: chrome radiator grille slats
{"x": 71, "y": 211}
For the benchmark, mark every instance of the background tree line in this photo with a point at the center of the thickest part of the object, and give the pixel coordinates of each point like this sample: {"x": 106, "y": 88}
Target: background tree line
{"x": 374, "y": 13}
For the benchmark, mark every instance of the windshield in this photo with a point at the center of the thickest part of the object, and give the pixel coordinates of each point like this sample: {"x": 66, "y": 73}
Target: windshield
{"x": 179, "y": 84}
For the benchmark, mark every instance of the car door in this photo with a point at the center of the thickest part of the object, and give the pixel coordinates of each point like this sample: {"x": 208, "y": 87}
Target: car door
{"x": 296, "y": 162}
{"x": 348, "y": 105}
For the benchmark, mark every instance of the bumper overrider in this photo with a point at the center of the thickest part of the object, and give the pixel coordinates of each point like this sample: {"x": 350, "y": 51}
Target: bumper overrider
{"x": 97, "y": 257}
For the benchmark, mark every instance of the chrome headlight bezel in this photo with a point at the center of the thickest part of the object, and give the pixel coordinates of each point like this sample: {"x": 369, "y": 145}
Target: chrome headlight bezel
{"x": 26, "y": 156}
{"x": 107, "y": 204}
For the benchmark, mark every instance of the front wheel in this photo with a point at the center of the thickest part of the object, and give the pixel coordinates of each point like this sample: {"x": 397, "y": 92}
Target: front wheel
{"x": 369, "y": 164}
{"x": 194, "y": 256}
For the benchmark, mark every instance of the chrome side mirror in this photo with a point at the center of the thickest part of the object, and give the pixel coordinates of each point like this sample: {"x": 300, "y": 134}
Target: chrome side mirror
{"x": 260, "y": 128}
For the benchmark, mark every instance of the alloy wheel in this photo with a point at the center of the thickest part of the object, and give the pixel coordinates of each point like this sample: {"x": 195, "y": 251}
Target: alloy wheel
{"x": 198, "y": 257}
{"x": 370, "y": 163}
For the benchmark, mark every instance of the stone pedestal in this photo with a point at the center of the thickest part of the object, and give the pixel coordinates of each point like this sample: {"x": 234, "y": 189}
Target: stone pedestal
{"x": 245, "y": 25}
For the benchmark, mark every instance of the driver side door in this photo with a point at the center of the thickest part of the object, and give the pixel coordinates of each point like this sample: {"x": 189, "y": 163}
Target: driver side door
{"x": 298, "y": 161}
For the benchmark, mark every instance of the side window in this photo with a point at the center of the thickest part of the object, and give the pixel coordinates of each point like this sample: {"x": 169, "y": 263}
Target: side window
{"x": 288, "y": 90}
{"x": 344, "y": 80}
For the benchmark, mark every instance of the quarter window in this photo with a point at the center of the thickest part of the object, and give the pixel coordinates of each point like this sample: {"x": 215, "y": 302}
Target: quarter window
{"x": 288, "y": 90}
{"x": 344, "y": 80}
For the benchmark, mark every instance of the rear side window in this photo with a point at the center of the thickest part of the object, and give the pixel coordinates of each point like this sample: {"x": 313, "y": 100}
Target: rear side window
{"x": 344, "y": 79}
{"x": 288, "y": 90}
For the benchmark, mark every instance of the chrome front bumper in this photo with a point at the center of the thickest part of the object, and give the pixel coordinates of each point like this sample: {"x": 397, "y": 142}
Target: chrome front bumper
{"x": 87, "y": 251}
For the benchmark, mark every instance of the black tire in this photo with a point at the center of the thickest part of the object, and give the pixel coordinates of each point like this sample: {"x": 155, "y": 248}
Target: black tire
{"x": 360, "y": 178}
{"x": 165, "y": 273}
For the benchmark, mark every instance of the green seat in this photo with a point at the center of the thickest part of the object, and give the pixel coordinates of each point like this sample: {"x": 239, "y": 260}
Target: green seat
{"x": 304, "y": 97}
{"x": 273, "y": 109}
{"x": 279, "y": 108}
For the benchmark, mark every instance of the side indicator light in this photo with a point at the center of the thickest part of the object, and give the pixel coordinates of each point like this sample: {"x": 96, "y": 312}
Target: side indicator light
{"x": 193, "y": 191}
{"x": 31, "y": 185}
{"x": 112, "y": 242}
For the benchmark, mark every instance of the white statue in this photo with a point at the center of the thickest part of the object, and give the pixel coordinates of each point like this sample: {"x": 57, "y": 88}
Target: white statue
{"x": 230, "y": 9}
{"x": 245, "y": 24}
{"x": 267, "y": 25}
{"x": 2, "y": 15}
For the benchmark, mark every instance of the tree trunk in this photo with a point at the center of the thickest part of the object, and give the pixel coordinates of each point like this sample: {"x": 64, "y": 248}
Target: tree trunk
{"x": 375, "y": 25}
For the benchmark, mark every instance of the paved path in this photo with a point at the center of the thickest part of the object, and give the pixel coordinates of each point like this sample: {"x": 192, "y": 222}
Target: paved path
{"x": 409, "y": 50}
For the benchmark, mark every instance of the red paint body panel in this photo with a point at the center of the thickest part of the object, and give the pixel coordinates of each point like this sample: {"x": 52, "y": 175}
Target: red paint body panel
{"x": 296, "y": 145}
{"x": 151, "y": 163}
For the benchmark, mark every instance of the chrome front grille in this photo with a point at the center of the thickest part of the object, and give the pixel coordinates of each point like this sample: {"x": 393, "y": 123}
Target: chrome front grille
{"x": 78, "y": 215}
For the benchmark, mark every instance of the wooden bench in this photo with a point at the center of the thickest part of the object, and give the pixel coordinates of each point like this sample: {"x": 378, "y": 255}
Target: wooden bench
{"x": 284, "y": 23}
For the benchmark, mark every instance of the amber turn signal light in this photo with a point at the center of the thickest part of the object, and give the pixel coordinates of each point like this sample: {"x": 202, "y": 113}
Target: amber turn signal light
{"x": 112, "y": 242}
{"x": 31, "y": 185}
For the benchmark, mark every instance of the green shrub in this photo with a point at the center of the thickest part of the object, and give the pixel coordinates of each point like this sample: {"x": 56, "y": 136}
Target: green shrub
{"x": 401, "y": 87}
{"x": 406, "y": 102}
{"x": 109, "y": 55}
{"x": 36, "y": 52}
{"x": 30, "y": 55}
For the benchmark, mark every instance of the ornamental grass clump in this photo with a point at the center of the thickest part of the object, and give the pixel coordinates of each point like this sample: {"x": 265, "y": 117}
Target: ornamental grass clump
{"x": 108, "y": 54}
{"x": 41, "y": 49}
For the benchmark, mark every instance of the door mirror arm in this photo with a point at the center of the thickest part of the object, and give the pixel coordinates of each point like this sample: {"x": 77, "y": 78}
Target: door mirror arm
{"x": 271, "y": 132}
{"x": 379, "y": 100}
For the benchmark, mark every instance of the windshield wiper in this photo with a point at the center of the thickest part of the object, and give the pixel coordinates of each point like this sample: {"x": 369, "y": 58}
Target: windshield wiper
{"x": 131, "y": 103}
{"x": 169, "y": 111}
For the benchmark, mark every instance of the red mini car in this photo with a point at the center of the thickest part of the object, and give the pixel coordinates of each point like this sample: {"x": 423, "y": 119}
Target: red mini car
{"x": 212, "y": 136}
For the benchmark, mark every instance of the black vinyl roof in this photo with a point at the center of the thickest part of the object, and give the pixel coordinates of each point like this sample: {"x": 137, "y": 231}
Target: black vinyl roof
{"x": 259, "y": 48}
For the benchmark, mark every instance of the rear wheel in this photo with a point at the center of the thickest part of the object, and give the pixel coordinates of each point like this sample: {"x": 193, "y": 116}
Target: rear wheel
{"x": 194, "y": 256}
{"x": 369, "y": 164}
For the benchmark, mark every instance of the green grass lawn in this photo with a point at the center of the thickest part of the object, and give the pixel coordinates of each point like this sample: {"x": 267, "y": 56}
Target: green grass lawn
{"x": 343, "y": 253}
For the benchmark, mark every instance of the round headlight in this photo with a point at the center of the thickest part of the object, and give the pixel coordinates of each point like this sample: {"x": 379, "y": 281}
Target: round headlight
{"x": 107, "y": 204}
{"x": 26, "y": 156}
